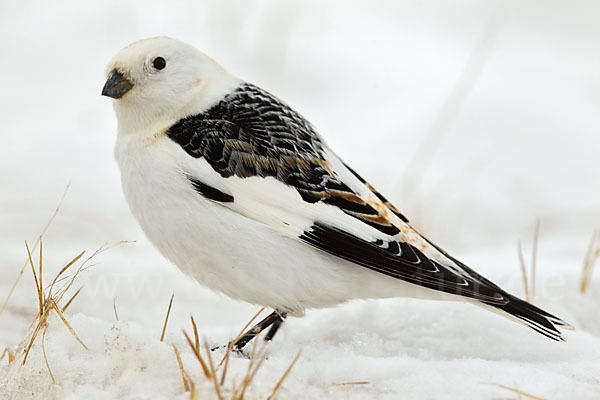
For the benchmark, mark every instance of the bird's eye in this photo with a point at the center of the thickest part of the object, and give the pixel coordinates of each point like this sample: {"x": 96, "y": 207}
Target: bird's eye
{"x": 159, "y": 63}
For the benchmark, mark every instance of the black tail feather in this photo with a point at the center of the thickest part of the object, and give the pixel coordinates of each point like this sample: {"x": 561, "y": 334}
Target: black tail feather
{"x": 534, "y": 317}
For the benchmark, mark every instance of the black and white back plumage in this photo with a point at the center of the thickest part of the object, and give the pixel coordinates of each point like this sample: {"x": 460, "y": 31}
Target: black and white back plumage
{"x": 248, "y": 174}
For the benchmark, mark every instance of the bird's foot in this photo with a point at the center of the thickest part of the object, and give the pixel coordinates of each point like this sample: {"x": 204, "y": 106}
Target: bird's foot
{"x": 234, "y": 350}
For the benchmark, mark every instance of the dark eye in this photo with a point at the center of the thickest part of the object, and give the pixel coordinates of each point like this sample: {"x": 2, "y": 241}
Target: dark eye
{"x": 159, "y": 63}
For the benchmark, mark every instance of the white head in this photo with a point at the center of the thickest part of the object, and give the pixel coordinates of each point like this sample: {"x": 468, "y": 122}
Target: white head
{"x": 159, "y": 80}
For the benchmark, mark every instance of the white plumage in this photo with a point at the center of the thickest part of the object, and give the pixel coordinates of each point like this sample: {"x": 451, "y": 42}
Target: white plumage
{"x": 241, "y": 193}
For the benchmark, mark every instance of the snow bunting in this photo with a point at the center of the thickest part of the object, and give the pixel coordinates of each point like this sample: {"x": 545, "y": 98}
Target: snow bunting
{"x": 240, "y": 192}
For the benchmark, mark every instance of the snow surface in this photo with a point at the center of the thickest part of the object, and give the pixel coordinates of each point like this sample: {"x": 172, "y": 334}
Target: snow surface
{"x": 521, "y": 143}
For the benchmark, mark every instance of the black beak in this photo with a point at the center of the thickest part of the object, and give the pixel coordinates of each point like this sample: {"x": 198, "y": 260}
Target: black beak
{"x": 116, "y": 85}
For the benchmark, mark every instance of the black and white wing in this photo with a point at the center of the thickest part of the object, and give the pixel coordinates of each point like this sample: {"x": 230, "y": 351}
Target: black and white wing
{"x": 252, "y": 135}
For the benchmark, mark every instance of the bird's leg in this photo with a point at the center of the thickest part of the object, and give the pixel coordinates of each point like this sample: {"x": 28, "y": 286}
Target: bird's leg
{"x": 274, "y": 320}
{"x": 275, "y": 327}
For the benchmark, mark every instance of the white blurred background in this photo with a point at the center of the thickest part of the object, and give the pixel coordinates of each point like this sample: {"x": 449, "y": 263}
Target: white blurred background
{"x": 475, "y": 118}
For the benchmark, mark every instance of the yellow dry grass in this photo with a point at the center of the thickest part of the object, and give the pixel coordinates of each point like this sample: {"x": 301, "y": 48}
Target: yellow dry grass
{"x": 210, "y": 372}
{"x": 10, "y": 353}
{"x": 529, "y": 282}
{"x": 590, "y": 260}
{"x": 591, "y": 257}
{"x": 164, "y": 330}
{"x": 49, "y": 301}
{"x": 184, "y": 377}
{"x": 351, "y": 383}
{"x": 520, "y": 394}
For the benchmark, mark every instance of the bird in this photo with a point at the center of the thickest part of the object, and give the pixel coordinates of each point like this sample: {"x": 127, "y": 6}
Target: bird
{"x": 241, "y": 192}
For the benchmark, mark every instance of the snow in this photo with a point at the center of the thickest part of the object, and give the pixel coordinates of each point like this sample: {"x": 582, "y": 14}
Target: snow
{"x": 522, "y": 145}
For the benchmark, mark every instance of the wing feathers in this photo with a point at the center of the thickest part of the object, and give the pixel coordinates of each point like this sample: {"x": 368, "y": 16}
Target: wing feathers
{"x": 251, "y": 133}
{"x": 208, "y": 191}
{"x": 377, "y": 194}
{"x": 411, "y": 265}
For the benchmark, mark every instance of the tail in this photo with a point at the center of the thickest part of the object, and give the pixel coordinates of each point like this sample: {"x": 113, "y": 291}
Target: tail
{"x": 533, "y": 317}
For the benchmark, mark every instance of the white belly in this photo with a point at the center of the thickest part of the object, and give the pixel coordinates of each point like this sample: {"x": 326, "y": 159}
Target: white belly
{"x": 231, "y": 253}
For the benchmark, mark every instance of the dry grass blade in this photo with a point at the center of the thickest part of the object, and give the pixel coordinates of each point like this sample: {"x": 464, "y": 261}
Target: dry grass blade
{"x": 38, "y": 288}
{"x": 196, "y": 337}
{"x": 68, "y": 303}
{"x": 193, "y": 392}
{"x": 591, "y": 257}
{"x": 49, "y": 301}
{"x": 284, "y": 376}
{"x": 253, "y": 368}
{"x": 33, "y": 336}
{"x": 234, "y": 390}
{"x": 529, "y": 284}
{"x": 42, "y": 312}
{"x": 536, "y": 236}
{"x": 66, "y": 287}
{"x": 64, "y": 320}
{"x": 72, "y": 277}
{"x": 239, "y": 335}
{"x": 518, "y": 392}
{"x": 115, "y": 309}
{"x": 13, "y": 287}
{"x": 351, "y": 383}
{"x": 164, "y": 329}
{"x": 10, "y": 353}
{"x": 40, "y": 272}
{"x": 66, "y": 267}
{"x": 225, "y": 367}
{"x": 181, "y": 369}
{"x": 213, "y": 373}
{"x": 44, "y": 353}
{"x": 198, "y": 356}
{"x": 524, "y": 273}
{"x": 251, "y": 376}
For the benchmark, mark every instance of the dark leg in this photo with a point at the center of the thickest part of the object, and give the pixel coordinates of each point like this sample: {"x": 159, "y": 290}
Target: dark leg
{"x": 275, "y": 319}
{"x": 275, "y": 327}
